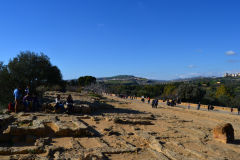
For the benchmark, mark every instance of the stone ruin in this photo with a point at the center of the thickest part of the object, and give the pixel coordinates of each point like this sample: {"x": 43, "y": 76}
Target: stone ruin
{"x": 224, "y": 133}
{"x": 29, "y": 133}
{"x": 33, "y": 136}
{"x": 85, "y": 106}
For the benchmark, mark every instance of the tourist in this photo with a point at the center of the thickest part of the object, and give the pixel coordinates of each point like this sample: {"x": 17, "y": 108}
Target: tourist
{"x": 156, "y": 103}
{"x": 153, "y": 103}
{"x": 69, "y": 104}
{"x": 143, "y": 100}
{"x": 209, "y": 106}
{"x": 188, "y": 105}
{"x": 17, "y": 97}
{"x": 148, "y": 100}
{"x": 27, "y": 91}
{"x": 27, "y": 102}
{"x": 238, "y": 110}
{"x": 59, "y": 104}
{"x": 173, "y": 103}
{"x": 168, "y": 103}
{"x": 231, "y": 109}
{"x": 198, "y": 107}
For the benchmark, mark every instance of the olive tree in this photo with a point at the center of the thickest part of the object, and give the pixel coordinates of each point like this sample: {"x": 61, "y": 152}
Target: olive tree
{"x": 30, "y": 68}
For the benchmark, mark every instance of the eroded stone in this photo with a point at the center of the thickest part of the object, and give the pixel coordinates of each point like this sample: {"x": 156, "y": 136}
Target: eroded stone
{"x": 224, "y": 133}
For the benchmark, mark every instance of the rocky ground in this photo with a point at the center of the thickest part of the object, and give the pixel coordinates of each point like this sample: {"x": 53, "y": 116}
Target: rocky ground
{"x": 114, "y": 128}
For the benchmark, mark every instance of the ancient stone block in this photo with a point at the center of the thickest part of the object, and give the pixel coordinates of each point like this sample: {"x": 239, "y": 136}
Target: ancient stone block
{"x": 16, "y": 139}
{"x": 224, "y": 133}
{"x": 30, "y": 139}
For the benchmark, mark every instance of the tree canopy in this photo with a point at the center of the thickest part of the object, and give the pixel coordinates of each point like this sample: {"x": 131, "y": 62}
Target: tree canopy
{"x": 5, "y": 84}
{"x": 86, "y": 80}
{"x": 27, "y": 68}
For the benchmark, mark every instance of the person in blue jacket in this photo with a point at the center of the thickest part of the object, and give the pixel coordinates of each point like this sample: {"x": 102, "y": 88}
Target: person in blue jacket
{"x": 17, "y": 98}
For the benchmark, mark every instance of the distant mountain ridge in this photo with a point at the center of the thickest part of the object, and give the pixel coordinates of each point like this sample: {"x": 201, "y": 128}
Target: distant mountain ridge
{"x": 128, "y": 79}
{"x": 121, "y": 77}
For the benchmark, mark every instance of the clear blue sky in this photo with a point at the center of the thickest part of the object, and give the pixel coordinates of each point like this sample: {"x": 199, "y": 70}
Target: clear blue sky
{"x": 159, "y": 39}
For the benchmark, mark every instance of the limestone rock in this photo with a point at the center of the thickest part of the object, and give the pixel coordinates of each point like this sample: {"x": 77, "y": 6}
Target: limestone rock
{"x": 224, "y": 133}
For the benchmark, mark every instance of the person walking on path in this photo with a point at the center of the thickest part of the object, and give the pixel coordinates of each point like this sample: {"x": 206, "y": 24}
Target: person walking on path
{"x": 148, "y": 100}
{"x": 153, "y": 103}
{"x": 17, "y": 97}
{"x": 156, "y": 103}
{"x": 238, "y": 110}
{"x": 198, "y": 107}
{"x": 143, "y": 100}
{"x": 188, "y": 105}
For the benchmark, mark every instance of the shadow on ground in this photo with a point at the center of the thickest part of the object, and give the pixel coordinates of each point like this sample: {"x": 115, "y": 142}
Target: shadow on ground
{"x": 236, "y": 142}
{"x": 100, "y": 108}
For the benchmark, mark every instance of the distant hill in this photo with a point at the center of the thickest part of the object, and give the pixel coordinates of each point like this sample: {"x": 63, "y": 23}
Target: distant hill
{"x": 128, "y": 79}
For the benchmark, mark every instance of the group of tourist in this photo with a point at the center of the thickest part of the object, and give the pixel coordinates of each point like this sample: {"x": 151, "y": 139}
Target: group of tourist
{"x": 27, "y": 102}
{"x": 26, "y": 99}
{"x": 210, "y": 107}
{"x": 59, "y": 106}
{"x": 154, "y": 103}
{"x": 171, "y": 103}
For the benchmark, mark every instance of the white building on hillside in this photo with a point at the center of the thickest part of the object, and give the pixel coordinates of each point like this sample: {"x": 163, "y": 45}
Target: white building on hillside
{"x": 232, "y": 75}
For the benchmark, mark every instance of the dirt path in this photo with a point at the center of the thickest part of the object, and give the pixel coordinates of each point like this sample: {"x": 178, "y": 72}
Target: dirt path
{"x": 187, "y": 133}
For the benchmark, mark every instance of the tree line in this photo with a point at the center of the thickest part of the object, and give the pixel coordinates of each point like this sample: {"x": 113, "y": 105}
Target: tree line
{"x": 221, "y": 92}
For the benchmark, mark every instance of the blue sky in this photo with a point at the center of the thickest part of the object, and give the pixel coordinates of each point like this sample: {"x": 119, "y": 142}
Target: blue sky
{"x": 158, "y": 39}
